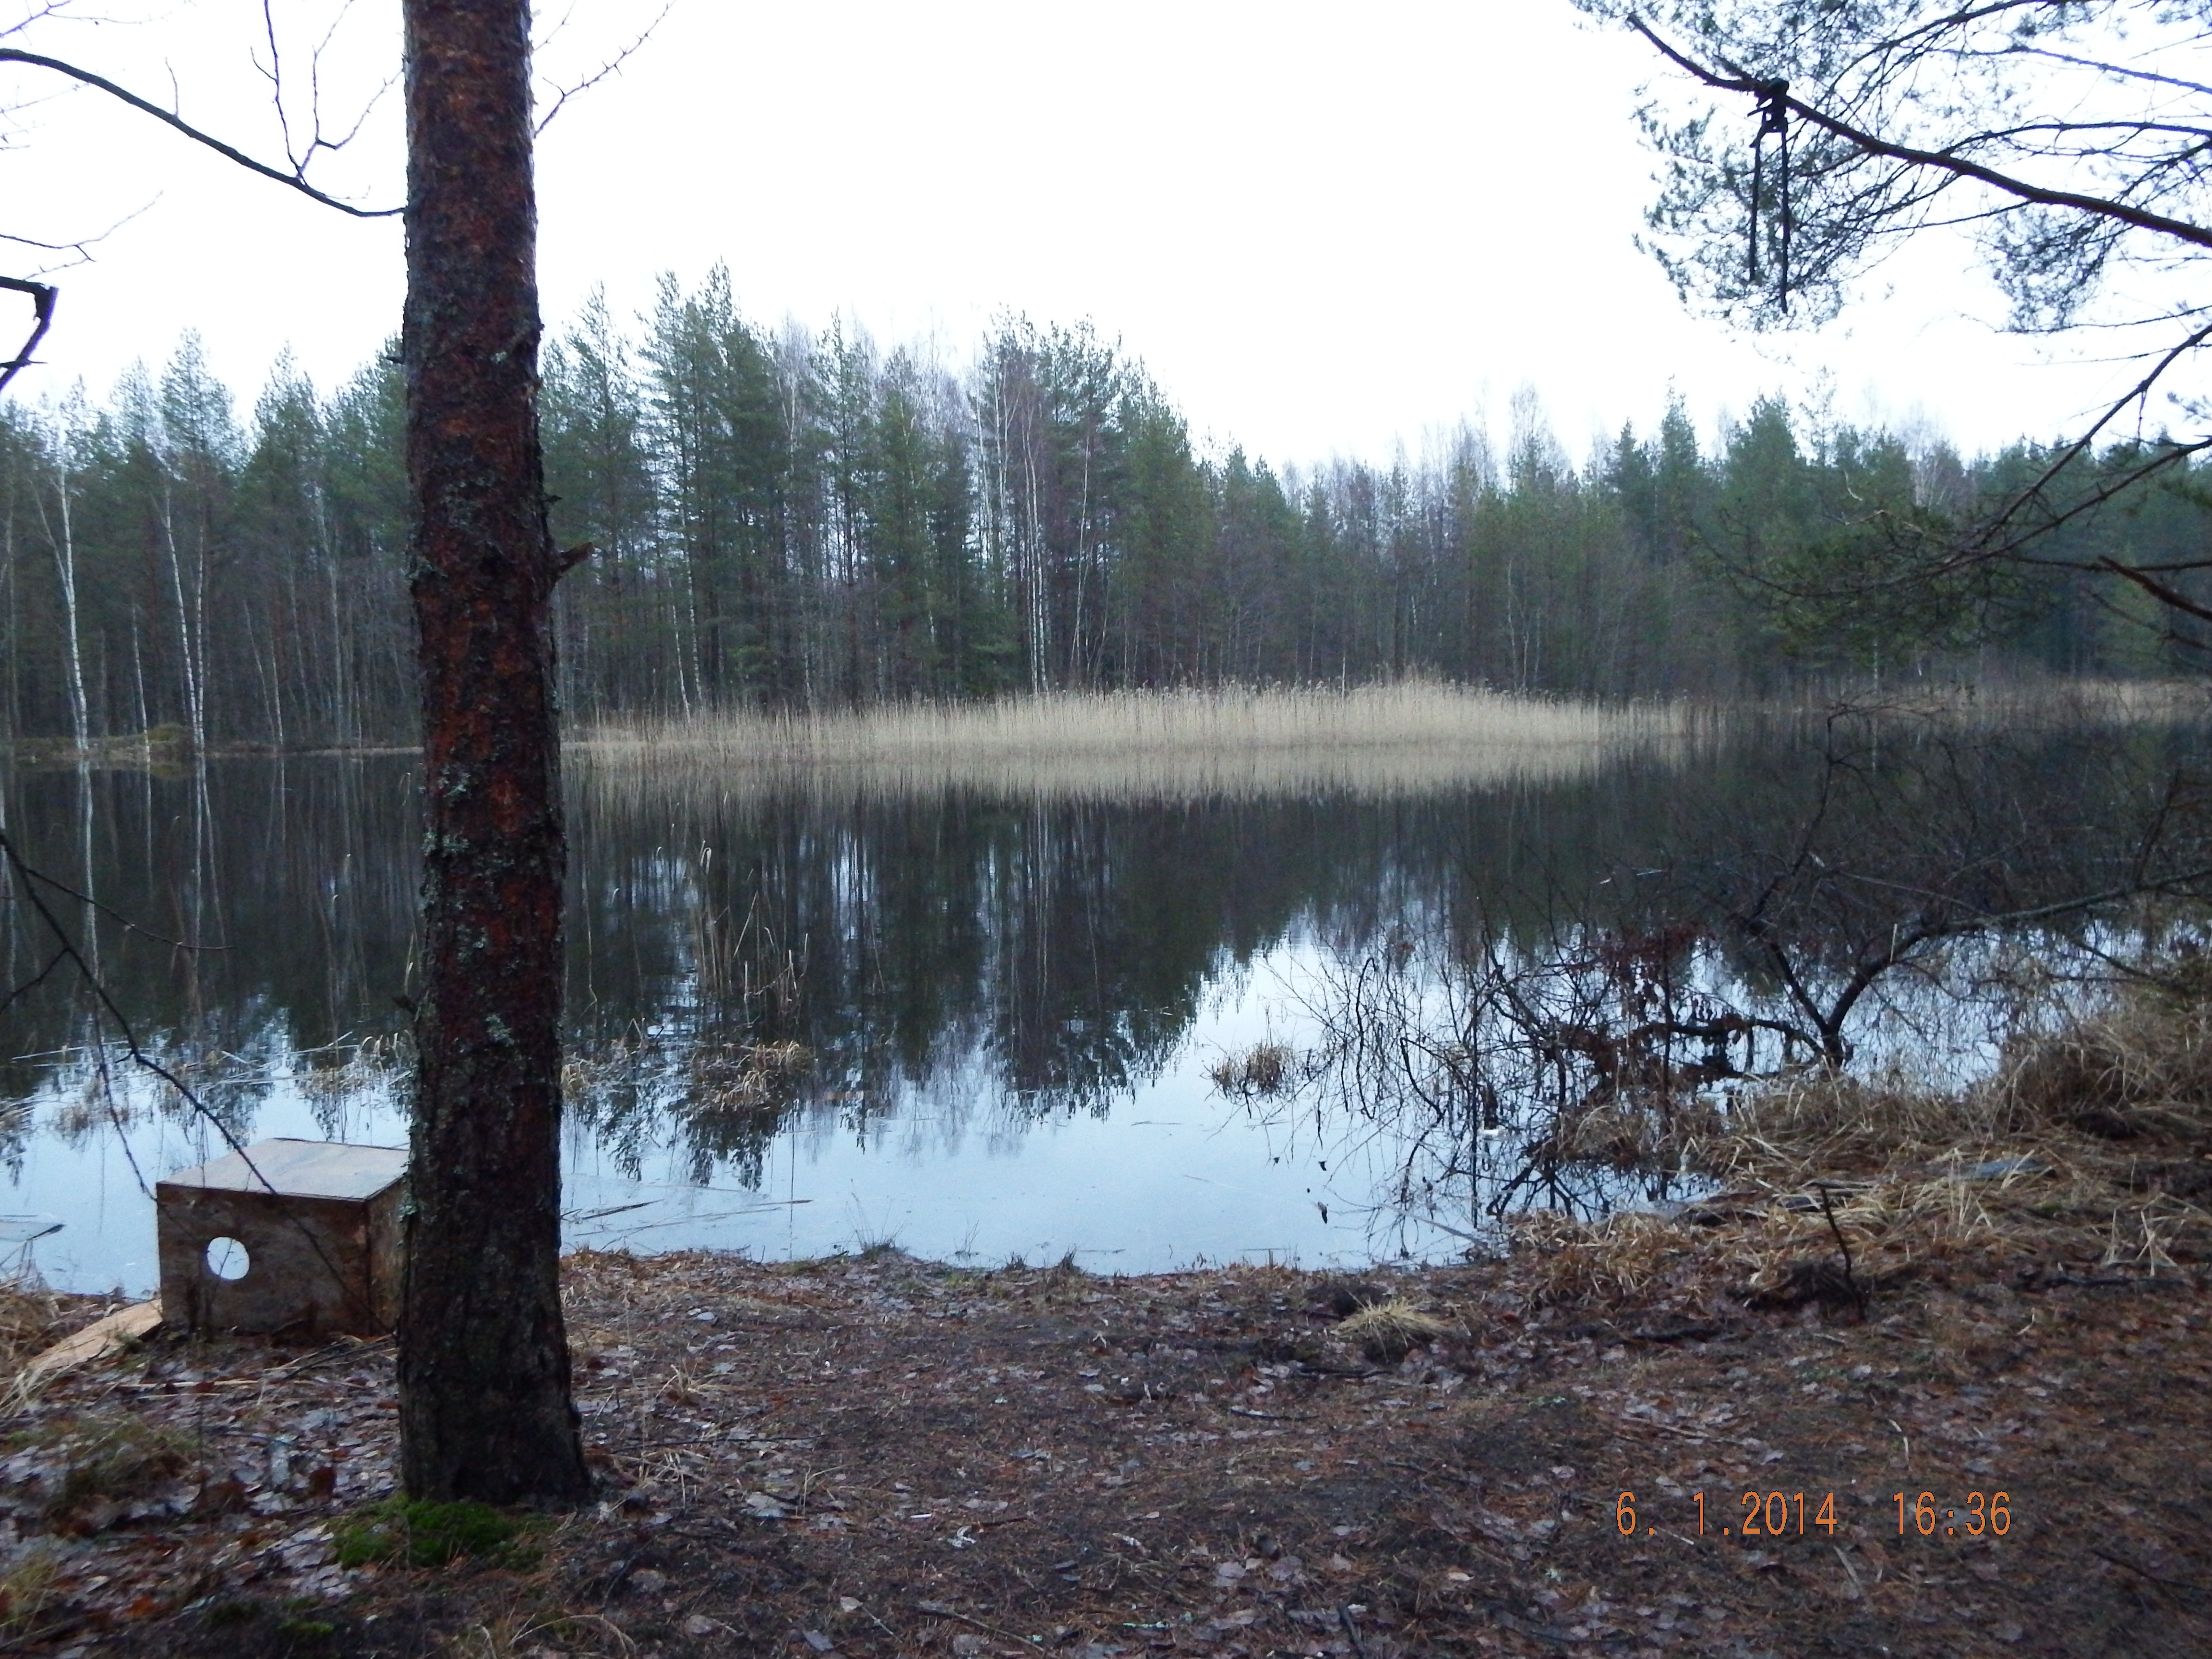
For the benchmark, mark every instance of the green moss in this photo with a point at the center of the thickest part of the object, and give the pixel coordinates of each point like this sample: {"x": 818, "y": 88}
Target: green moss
{"x": 418, "y": 1532}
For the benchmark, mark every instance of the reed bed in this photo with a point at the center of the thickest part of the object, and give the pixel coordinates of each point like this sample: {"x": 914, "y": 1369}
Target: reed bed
{"x": 1162, "y": 746}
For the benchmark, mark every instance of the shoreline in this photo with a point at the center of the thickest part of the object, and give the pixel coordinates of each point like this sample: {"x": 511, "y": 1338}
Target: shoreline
{"x": 1399, "y": 715}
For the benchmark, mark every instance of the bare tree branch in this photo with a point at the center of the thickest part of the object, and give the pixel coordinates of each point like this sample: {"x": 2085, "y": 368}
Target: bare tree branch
{"x": 604, "y": 69}
{"x": 43, "y": 295}
{"x": 1942, "y": 161}
{"x": 295, "y": 180}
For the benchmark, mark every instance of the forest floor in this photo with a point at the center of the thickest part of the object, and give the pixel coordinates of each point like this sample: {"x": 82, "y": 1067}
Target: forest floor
{"x": 878, "y": 1456}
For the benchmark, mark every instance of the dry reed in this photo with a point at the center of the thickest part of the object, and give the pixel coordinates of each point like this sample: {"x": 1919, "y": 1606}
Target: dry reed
{"x": 1178, "y": 746}
{"x": 1264, "y": 1069}
{"x": 33, "y": 1318}
{"x": 2085, "y": 1152}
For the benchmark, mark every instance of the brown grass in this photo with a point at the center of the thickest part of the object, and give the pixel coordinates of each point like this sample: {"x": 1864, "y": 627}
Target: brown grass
{"x": 27, "y": 1587}
{"x": 1172, "y": 745}
{"x": 33, "y": 1319}
{"x": 2088, "y": 1151}
{"x": 88, "y": 1466}
{"x": 1264, "y": 1069}
{"x": 1386, "y": 1331}
{"x": 2141, "y": 1066}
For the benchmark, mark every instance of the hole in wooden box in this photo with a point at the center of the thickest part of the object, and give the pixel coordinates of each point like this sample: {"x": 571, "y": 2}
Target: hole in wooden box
{"x": 228, "y": 1259}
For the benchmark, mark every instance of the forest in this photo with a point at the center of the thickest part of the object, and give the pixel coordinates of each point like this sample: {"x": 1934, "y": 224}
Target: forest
{"x": 797, "y": 520}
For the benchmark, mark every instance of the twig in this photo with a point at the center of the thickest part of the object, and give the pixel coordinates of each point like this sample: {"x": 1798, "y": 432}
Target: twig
{"x": 2157, "y": 1578}
{"x": 939, "y": 1610}
{"x": 1948, "y": 161}
{"x": 610, "y": 67}
{"x": 16, "y": 55}
{"x": 1851, "y": 1278}
{"x": 1350, "y": 1632}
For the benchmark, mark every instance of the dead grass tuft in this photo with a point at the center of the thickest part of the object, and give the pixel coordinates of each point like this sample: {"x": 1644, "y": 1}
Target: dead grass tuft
{"x": 33, "y": 1319}
{"x": 1622, "y": 1259}
{"x": 28, "y": 1585}
{"x": 1264, "y": 1069}
{"x": 2089, "y": 1152}
{"x": 1818, "y": 1121}
{"x": 1386, "y": 1331}
{"x": 2143, "y": 1066}
{"x": 1626, "y": 1134}
{"x": 85, "y": 1470}
{"x": 744, "y": 1079}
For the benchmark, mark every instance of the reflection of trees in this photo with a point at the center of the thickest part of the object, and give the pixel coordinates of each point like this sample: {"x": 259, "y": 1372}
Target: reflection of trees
{"x": 1056, "y": 953}
{"x": 1067, "y": 946}
{"x": 292, "y": 879}
{"x": 1896, "y": 890}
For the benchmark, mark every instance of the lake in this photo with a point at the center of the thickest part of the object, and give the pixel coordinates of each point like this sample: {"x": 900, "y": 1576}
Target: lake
{"x": 969, "y": 1020}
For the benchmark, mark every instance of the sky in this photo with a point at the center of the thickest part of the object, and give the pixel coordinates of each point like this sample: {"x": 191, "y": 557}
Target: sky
{"x": 1327, "y": 230}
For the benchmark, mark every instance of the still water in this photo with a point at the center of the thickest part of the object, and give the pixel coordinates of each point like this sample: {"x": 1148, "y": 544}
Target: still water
{"x": 971, "y": 1024}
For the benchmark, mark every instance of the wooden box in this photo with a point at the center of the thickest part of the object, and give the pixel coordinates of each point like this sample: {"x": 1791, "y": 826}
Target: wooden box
{"x": 295, "y": 1235}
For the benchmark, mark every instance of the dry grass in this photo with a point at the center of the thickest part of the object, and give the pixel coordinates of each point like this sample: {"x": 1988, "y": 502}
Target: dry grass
{"x": 33, "y": 1319}
{"x": 743, "y": 1078}
{"x": 1139, "y": 745}
{"x": 1622, "y": 1260}
{"x": 1386, "y": 1331}
{"x": 1264, "y": 1069}
{"x": 84, "y": 1470}
{"x": 2088, "y": 1151}
{"x": 2141, "y": 1066}
{"x": 27, "y": 1587}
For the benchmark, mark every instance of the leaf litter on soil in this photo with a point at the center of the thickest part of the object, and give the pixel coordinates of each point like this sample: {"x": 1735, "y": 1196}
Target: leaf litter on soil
{"x": 880, "y": 1455}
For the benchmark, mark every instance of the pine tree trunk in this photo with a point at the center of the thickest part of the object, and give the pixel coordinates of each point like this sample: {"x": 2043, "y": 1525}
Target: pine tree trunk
{"x": 484, "y": 1402}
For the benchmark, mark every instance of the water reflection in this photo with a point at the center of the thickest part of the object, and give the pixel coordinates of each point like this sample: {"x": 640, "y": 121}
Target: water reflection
{"x": 957, "y": 1020}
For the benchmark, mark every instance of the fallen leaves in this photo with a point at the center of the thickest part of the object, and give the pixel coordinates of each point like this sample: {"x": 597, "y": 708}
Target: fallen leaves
{"x": 1259, "y": 1480}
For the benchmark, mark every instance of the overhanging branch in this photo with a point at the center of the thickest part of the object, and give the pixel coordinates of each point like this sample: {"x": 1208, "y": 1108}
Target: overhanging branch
{"x": 43, "y": 295}
{"x": 295, "y": 180}
{"x": 1957, "y": 165}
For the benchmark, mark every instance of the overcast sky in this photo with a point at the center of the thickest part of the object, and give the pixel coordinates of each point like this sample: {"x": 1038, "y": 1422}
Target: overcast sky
{"x": 1327, "y": 229}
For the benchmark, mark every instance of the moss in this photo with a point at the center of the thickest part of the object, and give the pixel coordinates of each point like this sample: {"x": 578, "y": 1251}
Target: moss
{"x": 418, "y": 1533}
{"x": 248, "y": 1627}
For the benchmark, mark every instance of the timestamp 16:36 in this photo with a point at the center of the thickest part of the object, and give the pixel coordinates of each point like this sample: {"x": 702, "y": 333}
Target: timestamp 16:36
{"x": 1782, "y": 1514}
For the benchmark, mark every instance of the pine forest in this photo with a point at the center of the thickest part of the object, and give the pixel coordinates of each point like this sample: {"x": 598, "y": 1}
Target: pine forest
{"x": 802, "y": 520}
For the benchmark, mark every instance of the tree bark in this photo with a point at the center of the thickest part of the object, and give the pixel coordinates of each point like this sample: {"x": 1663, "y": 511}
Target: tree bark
{"x": 484, "y": 1401}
